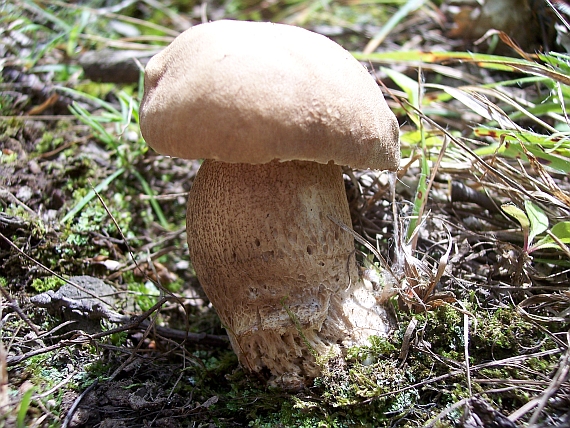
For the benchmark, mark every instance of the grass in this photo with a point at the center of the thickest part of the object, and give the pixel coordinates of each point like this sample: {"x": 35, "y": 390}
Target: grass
{"x": 480, "y": 263}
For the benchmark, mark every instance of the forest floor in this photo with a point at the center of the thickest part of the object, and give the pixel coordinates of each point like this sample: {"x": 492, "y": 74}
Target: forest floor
{"x": 483, "y": 305}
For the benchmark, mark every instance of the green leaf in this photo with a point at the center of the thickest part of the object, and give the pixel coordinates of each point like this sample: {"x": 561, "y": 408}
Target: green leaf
{"x": 408, "y": 85}
{"x": 23, "y": 410}
{"x": 538, "y": 220}
{"x": 522, "y": 218}
{"x": 414, "y": 138}
{"x": 561, "y": 231}
{"x": 518, "y": 214}
{"x": 493, "y": 62}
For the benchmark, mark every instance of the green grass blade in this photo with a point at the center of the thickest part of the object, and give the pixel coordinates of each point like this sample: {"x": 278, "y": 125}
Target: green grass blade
{"x": 51, "y": 17}
{"x": 153, "y": 202}
{"x": 493, "y": 62}
{"x": 412, "y": 90}
{"x": 23, "y": 410}
{"x": 409, "y": 7}
{"x": 90, "y": 195}
{"x": 107, "y": 106}
{"x": 421, "y": 195}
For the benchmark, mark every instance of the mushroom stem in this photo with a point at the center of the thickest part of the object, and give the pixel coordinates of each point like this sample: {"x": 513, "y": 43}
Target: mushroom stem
{"x": 281, "y": 275}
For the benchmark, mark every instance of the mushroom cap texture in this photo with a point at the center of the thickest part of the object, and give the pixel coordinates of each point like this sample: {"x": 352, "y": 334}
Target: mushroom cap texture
{"x": 253, "y": 92}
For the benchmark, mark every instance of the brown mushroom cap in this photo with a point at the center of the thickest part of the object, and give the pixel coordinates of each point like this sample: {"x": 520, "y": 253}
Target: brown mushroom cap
{"x": 252, "y": 92}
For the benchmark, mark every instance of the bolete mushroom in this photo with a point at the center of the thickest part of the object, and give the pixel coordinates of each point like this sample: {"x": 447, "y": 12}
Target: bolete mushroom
{"x": 274, "y": 110}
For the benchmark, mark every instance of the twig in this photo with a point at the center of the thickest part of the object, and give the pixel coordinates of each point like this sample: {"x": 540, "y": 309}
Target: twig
{"x": 523, "y": 410}
{"x": 15, "y": 359}
{"x": 138, "y": 322}
{"x": 75, "y": 405}
{"x": 54, "y": 117}
{"x": 55, "y": 388}
{"x": 8, "y": 195}
{"x": 14, "y": 305}
{"x": 149, "y": 261}
{"x": 63, "y": 147}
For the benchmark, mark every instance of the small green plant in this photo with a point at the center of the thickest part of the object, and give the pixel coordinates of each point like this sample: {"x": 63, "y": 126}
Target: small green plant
{"x": 146, "y": 294}
{"x": 48, "y": 142}
{"x": 8, "y": 158}
{"x": 534, "y": 222}
{"x": 41, "y": 285}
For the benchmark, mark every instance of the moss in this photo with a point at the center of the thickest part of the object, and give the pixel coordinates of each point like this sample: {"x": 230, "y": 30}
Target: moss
{"x": 503, "y": 333}
{"x": 379, "y": 347}
{"x": 145, "y": 293}
{"x": 10, "y": 128}
{"x": 8, "y": 157}
{"x": 41, "y": 285}
{"x": 6, "y": 102}
{"x": 46, "y": 370}
{"x": 442, "y": 329}
{"x": 371, "y": 386}
{"x": 48, "y": 143}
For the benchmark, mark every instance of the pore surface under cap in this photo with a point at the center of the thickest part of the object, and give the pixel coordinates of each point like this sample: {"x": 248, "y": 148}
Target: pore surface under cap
{"x": 250, "y": 92}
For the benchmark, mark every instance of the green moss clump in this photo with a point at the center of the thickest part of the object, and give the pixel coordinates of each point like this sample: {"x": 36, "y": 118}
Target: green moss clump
{"x": 48, "y": 143}
{"x": 505, "y": 333}
{"x": 41, "y": 285}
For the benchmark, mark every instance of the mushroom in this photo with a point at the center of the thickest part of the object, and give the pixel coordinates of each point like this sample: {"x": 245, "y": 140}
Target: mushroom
{"x": 275, "y": 111}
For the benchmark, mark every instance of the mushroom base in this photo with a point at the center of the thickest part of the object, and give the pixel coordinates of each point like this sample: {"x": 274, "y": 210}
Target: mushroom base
{"x": 281, "y": 275}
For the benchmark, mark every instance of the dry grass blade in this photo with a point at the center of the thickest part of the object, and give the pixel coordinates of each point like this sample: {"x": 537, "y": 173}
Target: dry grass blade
{"x": 558, "y": 379}
{"x": 73, "y": 408}
{"x": 16, "y": 308}
{"x": 522, "y": 158}
{"x": 565, "y": 249}
{"x": 551, "y": 187}
{"x": 407, "y": 338}
{"x": 511, "y": 361}
{"x": 555, "y": 306}
{"x": 361, "y": 240}
{"x": 466, "y": 353}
